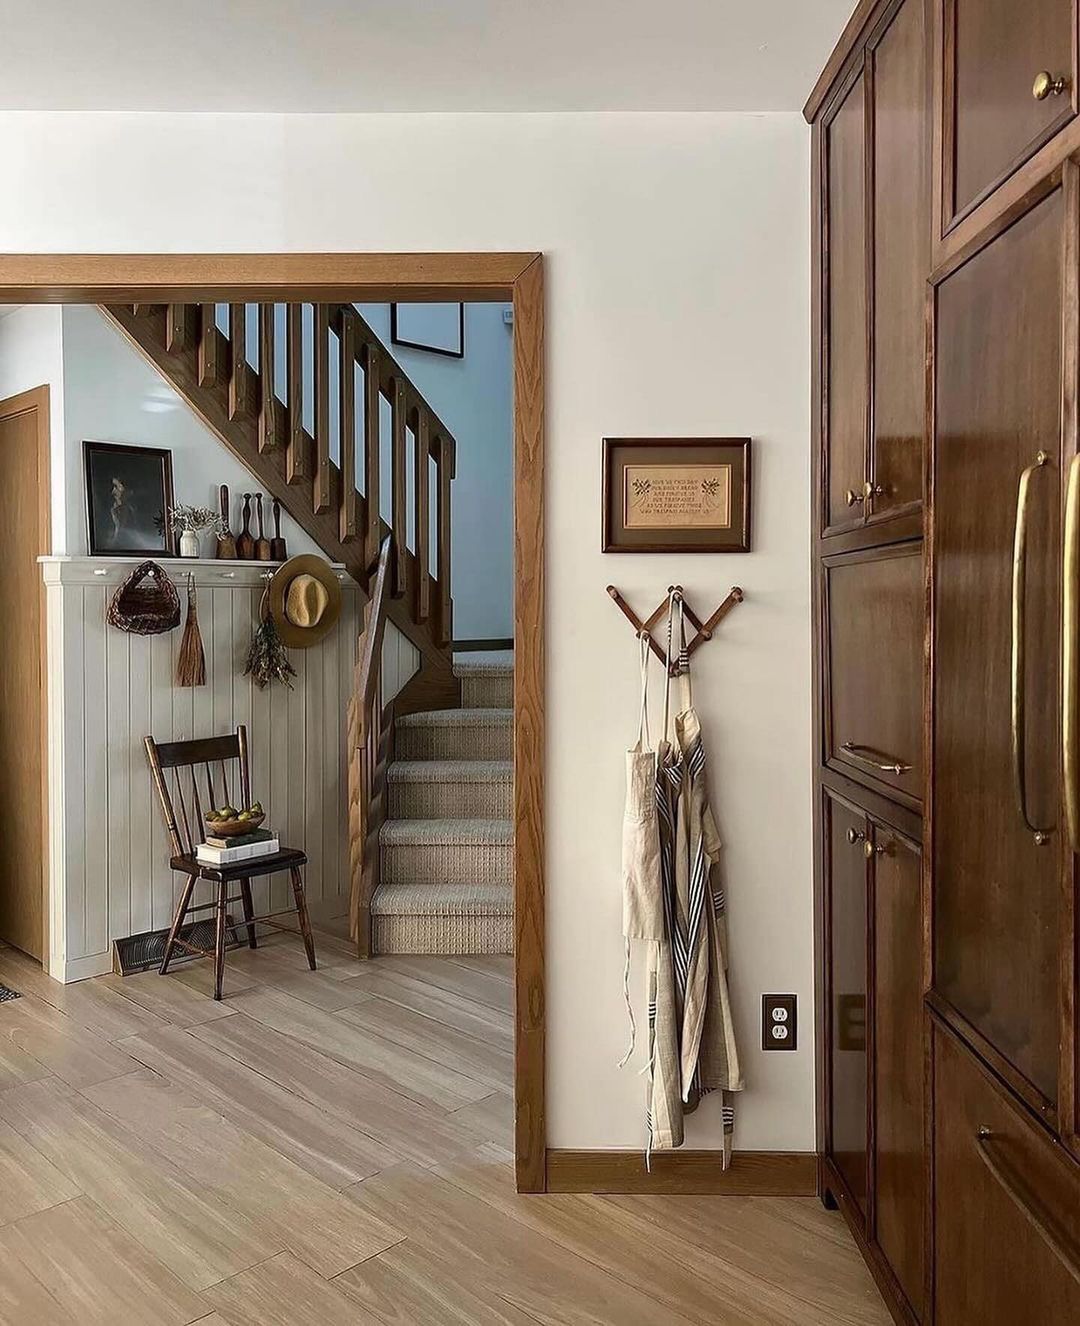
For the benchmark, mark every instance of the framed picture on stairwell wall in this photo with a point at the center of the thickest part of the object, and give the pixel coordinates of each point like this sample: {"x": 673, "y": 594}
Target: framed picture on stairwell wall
{"x": 676, "y": 494}
{"x": 129, "y": 495}
{"x": 437, "y": 328}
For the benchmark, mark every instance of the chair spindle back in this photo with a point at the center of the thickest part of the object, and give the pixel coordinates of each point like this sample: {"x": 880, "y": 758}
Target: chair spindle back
{"x": 199, "y": 769}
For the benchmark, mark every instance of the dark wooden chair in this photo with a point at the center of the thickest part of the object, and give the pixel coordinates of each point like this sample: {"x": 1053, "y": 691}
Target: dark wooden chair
{"x": 208, "y": 761}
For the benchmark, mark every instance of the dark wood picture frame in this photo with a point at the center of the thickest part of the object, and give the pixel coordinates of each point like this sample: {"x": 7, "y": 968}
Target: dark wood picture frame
{"x": 397, "y": 339}
{"x": 679, "y": 452}
{"x": 158, "y": 457}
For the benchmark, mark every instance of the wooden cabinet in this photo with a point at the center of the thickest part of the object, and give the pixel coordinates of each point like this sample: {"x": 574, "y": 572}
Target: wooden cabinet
{"x": 847, "y": 398}
{"x": 949, "y": 657}
{"x": 874, "y": 994}
{"x": 846, "y": 906}
{"x": 1008, "y": 85}
{"x": 1006, "y": 1215}
{"x": 874, "y": 614}
{"x": 899, "y": 1165}
{"x": 900, "y": 80}
{"x": 996, "y": 557}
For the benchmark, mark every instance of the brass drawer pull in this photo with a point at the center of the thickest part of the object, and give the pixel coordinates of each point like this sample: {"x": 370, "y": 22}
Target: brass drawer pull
{"x": 874, "y": 759}
{"x": 1046, "y": 85}
{"x": 864, "y": 494}
{"x": 1045, "y": 1230}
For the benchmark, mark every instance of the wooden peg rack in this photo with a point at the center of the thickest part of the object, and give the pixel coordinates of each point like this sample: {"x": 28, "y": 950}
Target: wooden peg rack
{"x": 702, "y": 630}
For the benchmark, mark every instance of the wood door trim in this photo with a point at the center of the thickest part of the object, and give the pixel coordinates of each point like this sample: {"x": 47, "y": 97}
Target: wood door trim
{"x": 850, "y": 40}
{"x": 752, "y": 1173}
{"x": 191, "y": 278}
{"x": 37, "y": 400}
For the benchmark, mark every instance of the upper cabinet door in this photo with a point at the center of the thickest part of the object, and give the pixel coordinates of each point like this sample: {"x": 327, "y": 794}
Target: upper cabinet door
{"x": 901, "y": 250}
{"x": 1009, "y": 85}
{"x": 996, "y": 550}
{"x": 845, "y": 415}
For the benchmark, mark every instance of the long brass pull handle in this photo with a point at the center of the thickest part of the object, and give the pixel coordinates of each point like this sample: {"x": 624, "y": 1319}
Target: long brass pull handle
{"x": 1019, "y": 633}
{"x": 1070, "y": 656}
{"x": 1053, "y": 1240}
{"x": 874, "y": 759}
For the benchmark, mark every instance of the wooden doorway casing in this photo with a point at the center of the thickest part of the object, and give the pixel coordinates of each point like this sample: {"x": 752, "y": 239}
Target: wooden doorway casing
{"x": 512, "y": 277}
{"x": 25, "y": 520}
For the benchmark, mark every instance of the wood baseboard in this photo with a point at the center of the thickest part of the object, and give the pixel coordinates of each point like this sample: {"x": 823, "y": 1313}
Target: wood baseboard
{"x": 752, "y": 1173}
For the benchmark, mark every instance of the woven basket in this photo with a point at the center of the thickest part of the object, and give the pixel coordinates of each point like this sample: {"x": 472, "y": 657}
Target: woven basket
{"x": 146, "y": 603}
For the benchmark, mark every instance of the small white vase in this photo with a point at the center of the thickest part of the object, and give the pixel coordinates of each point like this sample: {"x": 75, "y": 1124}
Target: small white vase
{"x": 189, "y": 543}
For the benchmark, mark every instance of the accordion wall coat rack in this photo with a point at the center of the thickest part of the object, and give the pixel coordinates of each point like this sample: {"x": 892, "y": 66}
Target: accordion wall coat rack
{"x": 703, "y": 630}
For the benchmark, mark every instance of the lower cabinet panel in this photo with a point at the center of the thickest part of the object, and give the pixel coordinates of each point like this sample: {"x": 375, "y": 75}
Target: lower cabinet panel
{"x": 899, "y": 1062}
{"x": 1006, "y": 1204}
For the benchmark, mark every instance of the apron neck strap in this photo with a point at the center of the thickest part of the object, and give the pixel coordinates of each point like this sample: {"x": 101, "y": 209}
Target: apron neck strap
{"x": 643, "y": 739}
{"x": 676, "y": 627}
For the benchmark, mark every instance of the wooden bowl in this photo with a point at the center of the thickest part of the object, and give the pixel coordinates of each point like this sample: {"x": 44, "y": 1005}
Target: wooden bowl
{"x": 233, "y": 828}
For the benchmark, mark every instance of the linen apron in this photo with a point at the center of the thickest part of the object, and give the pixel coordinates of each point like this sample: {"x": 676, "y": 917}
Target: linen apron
{"x": 691, "y": 1032}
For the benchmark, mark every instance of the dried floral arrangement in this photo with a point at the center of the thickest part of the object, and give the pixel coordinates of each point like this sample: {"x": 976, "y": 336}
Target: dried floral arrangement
{"x": 267, "y": 660}
{"x": 194, "y": 519}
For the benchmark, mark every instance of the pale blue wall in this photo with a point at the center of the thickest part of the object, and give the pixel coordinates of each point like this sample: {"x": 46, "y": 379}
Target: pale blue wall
{"x": 473, "y": 397}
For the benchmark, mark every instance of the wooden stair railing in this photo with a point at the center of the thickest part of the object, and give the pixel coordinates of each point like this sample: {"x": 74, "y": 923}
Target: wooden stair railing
{"x": 239, "y": 402}
{"x": 370, "y": 726}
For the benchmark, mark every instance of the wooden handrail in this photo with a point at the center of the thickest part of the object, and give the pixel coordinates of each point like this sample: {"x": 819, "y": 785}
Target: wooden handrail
{"x": 368, "y": 732}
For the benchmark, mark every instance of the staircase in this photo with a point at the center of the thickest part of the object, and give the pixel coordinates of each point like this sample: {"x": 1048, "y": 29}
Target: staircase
{"x": 446, "y": 847}
{"x": 430, "y": 774}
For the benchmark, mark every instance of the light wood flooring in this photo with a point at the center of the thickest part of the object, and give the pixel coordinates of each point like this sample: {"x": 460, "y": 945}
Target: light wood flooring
{"x": 332, "y": 1147}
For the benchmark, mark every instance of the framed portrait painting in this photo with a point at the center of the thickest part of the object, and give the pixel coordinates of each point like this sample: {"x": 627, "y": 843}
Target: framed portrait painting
{"x": 129, "y": 495}
{"x": 676, "y": 494}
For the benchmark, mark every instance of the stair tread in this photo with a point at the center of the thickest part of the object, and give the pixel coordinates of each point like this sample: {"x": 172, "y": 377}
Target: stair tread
{"x": 455, "y": 832}
{"x": 451, "y": 771}
{"x": 500, "y": 663}
{"x": 458, "y": 718}
{"x": 443, "y": 900}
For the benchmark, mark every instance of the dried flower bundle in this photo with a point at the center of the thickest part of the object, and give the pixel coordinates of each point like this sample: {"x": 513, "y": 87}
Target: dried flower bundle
{"x": 267, "y": 660}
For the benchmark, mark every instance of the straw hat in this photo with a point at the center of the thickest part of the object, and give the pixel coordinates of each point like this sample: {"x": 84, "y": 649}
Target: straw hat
{"x": 305, "y": 600}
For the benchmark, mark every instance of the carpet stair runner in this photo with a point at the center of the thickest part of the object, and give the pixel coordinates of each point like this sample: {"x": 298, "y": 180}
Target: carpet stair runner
{"x": 446, "y": 848}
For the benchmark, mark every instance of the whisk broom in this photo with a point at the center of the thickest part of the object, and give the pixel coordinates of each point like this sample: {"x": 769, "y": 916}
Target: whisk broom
{"x": 191, "y": 661}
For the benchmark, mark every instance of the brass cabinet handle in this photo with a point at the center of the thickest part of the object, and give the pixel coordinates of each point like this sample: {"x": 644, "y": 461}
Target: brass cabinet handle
{"x": 1019, "y": 632}
{"x": 1046, "y": 85}
{"x": 855, "y": 836}
{"x": 853, "y": 498}
{"x": 1043, "y": 1227}
{"x": 1070, "y": 655}
{"x": 874, "y": 759}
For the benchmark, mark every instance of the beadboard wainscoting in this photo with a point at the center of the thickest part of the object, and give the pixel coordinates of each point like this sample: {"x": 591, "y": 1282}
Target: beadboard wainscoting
{"x": 108, "y": 873}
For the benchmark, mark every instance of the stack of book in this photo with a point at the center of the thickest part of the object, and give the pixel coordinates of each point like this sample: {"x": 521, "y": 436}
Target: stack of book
{"x": 227, "y": 851}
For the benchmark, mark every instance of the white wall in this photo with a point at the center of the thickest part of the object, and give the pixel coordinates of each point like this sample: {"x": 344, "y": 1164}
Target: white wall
{"x": 473, "y": 397}
{"x": 31, "y": 355}
{"x": 113, "y": 394}
{"x": 677, "y": 295}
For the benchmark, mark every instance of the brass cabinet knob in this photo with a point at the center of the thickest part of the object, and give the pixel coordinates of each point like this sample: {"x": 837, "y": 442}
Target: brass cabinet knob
{"x": 853, "y": 498}
{"x": 856, "y": 836}
{"x": 872, "y": 490}
{"x": 1046, "y": 85}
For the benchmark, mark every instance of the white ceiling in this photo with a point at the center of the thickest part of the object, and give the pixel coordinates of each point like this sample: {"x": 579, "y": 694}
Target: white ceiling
{"x": 414, "y": 55}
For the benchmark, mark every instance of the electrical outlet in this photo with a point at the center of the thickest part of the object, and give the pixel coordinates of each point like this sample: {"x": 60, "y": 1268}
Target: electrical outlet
{"x": 778, "y": 1022}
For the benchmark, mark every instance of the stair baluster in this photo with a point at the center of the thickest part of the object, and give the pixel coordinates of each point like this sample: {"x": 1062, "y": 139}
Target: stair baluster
{"x": 239, "y": 376}
{"x": 446, "y": 465}
{"x": 269, "y": 439}
{"x": 397, "y": 488}
{"x": 349, "y": 514}
{"x": 372, "y": 480}
{"x": 297, "y": 462}
{"x": 422, "y": 498}
{"x": 208, "y": 346}
{"x": 321, "y": 496}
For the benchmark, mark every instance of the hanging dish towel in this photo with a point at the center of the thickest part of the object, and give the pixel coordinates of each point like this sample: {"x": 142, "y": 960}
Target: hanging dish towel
{"x": 690, "y": 1024}
{"x": 643, "y": 904}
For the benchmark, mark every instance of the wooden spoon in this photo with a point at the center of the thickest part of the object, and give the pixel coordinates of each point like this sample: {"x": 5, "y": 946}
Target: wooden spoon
{"x": 262, "y": 546}
{"x": 245, "y": 544}
{"x": 226, "y": 544}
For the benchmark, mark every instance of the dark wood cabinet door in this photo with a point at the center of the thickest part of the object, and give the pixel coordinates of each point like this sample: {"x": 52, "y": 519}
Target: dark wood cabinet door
{"x": 845, "y": 413}
{"x": 901, "y": 251}
{"x": 994, "y": 50}
{"x": 997, "y": 883}
{"x": 875, "y": 622}
{"x": 846, "y": 911}
{"x": 899, "y": 1061}
{"x": 1006, "y": 1205}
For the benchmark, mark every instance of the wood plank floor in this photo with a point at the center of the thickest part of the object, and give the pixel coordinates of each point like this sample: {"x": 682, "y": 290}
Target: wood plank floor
{"x": 331, "y": 1147}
